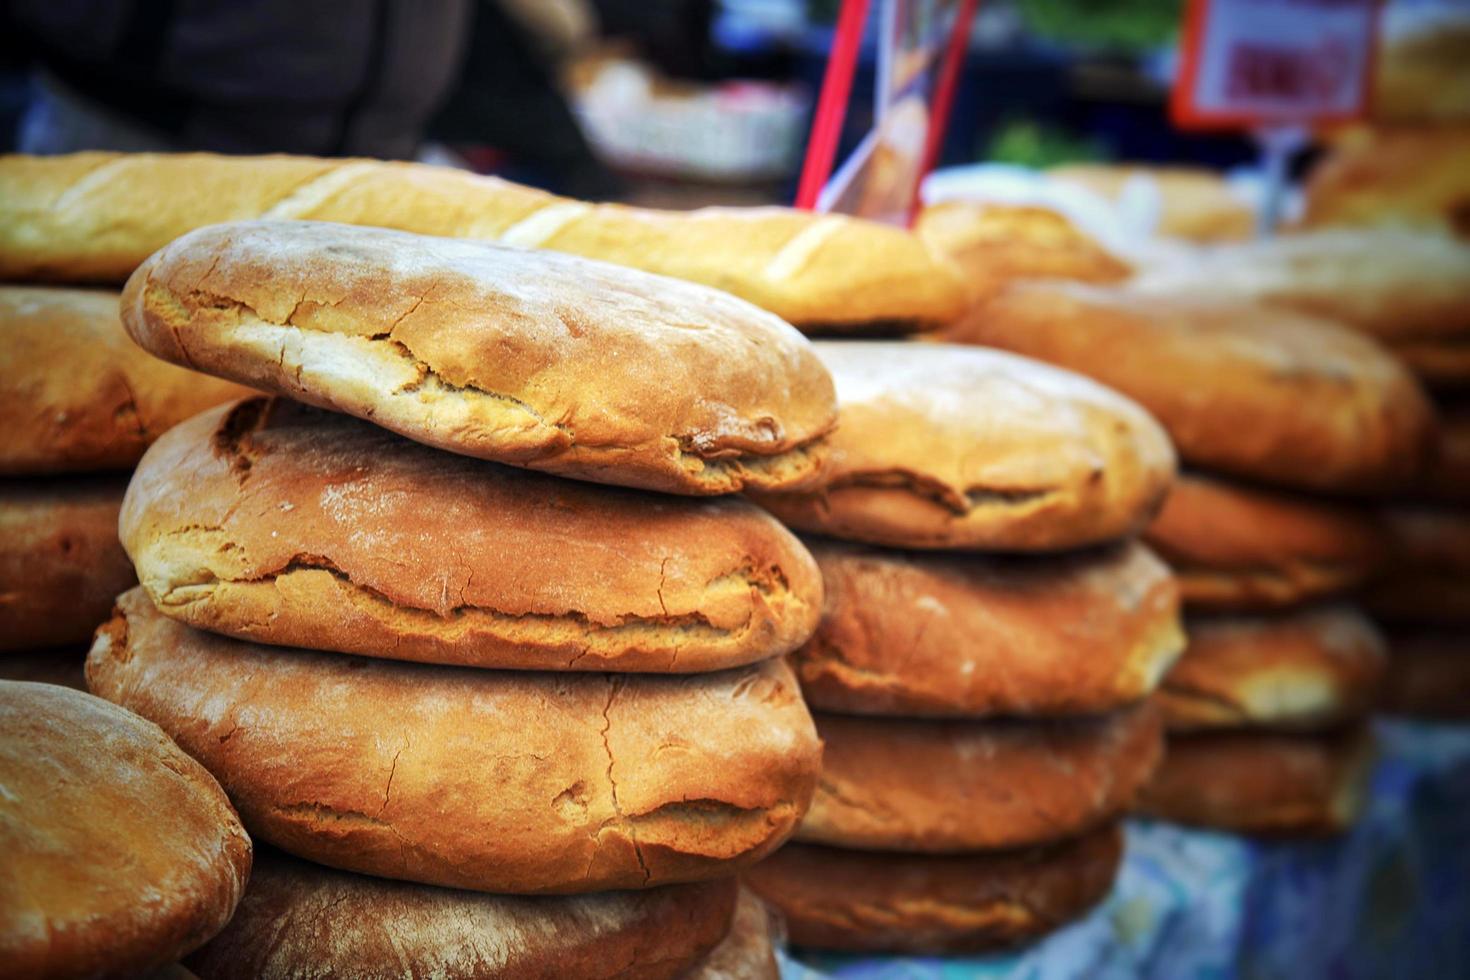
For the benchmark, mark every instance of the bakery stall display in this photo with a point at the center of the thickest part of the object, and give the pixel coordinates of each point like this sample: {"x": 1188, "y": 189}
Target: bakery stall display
{"x": 990, "y": 637}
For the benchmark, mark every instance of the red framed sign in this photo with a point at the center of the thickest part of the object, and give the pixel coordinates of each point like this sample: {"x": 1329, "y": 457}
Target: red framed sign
{"x": 1247, "y": 64}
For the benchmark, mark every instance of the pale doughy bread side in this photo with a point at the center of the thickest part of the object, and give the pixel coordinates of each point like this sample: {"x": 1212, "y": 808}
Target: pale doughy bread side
{"x": 536, "y": 359}
{"x": 76, "y": 393}
{"x": 121, "y": 853}
{"x": 305, "y": 920}
{"x": 926, "y": 635}
{"x": 97, "y": 216}
{"x": 1263, "y": 782}
{"x": 1251, "y": 391}
{"x": 275, "y": 522}
{"x": 1304, "y": 670}
{"x": 953, "y": 447}
{"x": 946, "y": 787}
{"x": 556, "y": 783}
{"x": 930, "y": 905}
{"x": 61, "y": 564}
{"x": 1240, "y": 547}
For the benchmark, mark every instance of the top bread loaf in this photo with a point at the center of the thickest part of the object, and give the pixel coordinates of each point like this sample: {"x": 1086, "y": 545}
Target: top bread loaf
{"x": 94, "y": 217}
{"x": 535, "y": 359}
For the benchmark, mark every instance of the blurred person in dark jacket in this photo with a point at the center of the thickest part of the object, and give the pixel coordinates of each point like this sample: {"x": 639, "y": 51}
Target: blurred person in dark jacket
{"x": 323, "y": 77}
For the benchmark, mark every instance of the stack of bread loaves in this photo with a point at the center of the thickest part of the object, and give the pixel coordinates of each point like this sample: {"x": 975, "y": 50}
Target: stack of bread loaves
{"x": 81, "y": 402}
{"x": 1266, "y": 708}
{"x": 409, "y": 658}
{"x": 990, "y": 636}
{"x": 1410, "y": 288}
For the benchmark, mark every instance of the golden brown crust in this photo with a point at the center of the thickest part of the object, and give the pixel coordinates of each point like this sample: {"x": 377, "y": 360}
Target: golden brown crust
{"x": 1262, "y": 782}
{"x": 935, "y": 905}
{"x": 1428, "y": 673}
{"x": 1194, "y": 203}
{"x": 945, "y": 787}
{"x": 121, "y": 853}
{"x": 97, "y": 216}
{"x": 61, "y": 564}
{"x": 1255, "y": 392}
{"x": 1426, "y": 575}
{"x": 1239, "y": 547}
{"x": 376, "y": 545}
{"x": 305, "y": 920}
{"x": 1304, "y": 670}
{"x": 1395, "y": 285}
{"x": 558, "y": 783}
{"x": 1419, "y": 68}
{"x": 76, "y": 393}
{"x": 1415, "y": 177}
{"x": 924, "y": 635}
{"x": 958, "y": 448}
{"x": 749, "y": 951}
{"x": 993, "y": 244}
{"x": 530, "y": 358}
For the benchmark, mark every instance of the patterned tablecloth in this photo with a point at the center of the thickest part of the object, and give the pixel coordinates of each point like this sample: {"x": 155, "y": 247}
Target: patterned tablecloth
{"x": 1391, "y": 899}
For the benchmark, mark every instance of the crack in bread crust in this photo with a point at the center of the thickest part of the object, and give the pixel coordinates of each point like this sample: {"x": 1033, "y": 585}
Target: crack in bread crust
{"x": 492, "y": 423}
{"x": 635, "y": 643}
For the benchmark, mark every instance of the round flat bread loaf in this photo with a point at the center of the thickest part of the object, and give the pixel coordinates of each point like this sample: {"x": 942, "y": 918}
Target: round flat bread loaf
{"x": 996, "y": 243}
{"x": 935, "y": 635}
{"x": 748, "y": 952}
{"x": 1426, "y": 576}
{"x": 305, "y": 920}
{"x": 930, "y": 905}
{"x": 508, "y": 781}
{"x": 1307, "y": 669}
{"x": 1255, "y": 392}
{"x": 1428, "y": 673}
{"x": 1262, "y": 782}
{"x": 535, "y": 359}
{"x": 1408, "y": 289}
{"x": 952, "y": 447}
{"x": 61, "y": 564}
{"x": 76, "y": 394}
{"x": 1239, "y": 547}
{"x": 275, "y": 522}
{"x": 121, "y": 853}
{"x": 946, "y": 787}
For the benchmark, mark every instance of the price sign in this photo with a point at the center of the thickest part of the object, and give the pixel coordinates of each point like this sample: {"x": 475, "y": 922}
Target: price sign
{"x": 1255, "y": 63}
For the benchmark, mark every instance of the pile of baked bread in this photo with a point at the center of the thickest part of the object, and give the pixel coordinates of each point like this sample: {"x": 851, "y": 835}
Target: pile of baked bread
{"x": 468, "y": 577}
{"x": 1291, "y": 375}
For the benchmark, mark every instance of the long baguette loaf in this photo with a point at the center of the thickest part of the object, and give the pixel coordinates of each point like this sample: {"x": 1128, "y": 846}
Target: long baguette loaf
{"x": 94, "y": 217}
